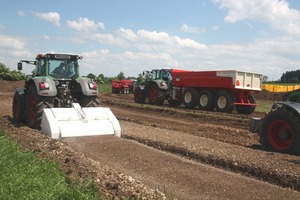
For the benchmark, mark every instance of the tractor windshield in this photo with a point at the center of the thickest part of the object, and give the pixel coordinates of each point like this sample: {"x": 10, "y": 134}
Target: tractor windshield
{"x": 63, "y": 68}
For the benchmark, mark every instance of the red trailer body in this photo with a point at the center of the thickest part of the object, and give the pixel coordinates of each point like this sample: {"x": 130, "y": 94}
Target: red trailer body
{"x": 202, "y": 79}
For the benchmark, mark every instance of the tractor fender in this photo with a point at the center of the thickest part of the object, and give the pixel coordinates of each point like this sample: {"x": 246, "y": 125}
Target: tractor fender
{"x": 161, "y": 84}
{"x": 85, "y": 88}
{"x": 292, "y": 105}
{"x": 51, "y": 91}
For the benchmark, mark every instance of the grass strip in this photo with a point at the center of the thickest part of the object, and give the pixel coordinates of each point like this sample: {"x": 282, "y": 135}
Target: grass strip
{"x": 24, "y": 176}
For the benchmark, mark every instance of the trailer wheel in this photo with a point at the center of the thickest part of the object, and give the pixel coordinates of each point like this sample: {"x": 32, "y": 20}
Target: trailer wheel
{"x": 247, "y": 109}
{"x": 139, "y": 95}
{"x": 189, "y": 98}
{"x": 89, "y": 101}
{"x": 18, "y": 107}
{"x": 206, "y": 101}
{"x": 280, "y": 131}
{"x": 156, "y": 95}
{"x": 224, "y": 102}
{"x": 34, "y": 107}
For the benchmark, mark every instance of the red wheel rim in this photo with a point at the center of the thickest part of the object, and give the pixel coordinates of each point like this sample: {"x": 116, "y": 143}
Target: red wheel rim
{"x": 31, "y": 109}
{"x": 280, "y": 135}
{"x": 153, "y": 94}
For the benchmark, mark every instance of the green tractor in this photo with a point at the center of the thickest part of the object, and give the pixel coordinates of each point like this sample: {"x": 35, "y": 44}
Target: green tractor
{"x": 279, "y": 130}
{"x": 155, "y": 87}
{"x": 55, "y": 83}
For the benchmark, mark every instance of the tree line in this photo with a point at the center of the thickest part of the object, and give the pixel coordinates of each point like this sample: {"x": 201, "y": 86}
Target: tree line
{"x": 15, "y": 75}
{"x": 290, "y": 77}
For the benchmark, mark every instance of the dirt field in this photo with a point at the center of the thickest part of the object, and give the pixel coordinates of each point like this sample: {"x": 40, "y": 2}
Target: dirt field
{"x": 165, "y": 152}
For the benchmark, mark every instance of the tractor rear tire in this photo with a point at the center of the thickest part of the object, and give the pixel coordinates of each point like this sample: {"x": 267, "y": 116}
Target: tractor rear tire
{"x": 189, "y": 98}
{"x": 139, "y": 95}
{"x": 206, "y": 100}
{"x": 34, "y": 107}
{"x": 18, "y": 109}
{"x": 89, "y": 101}
{"x": 280, "y": 131}
{"x": 247, "y": 109}
{"x": 156, "y": 95}
{"x": 224, "y": 101}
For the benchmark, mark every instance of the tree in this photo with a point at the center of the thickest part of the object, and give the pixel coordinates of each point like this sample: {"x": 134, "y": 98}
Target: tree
{"x": 99, "y": 78}
{"x": 121, "y": 76}
{"x": 140, "y": 79}
{"x": 265, "y": 79}
{"x": 7, "y": 74}
{"x": 91, "y": 76}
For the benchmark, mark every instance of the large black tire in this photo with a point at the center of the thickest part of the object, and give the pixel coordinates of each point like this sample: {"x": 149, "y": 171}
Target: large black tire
{"x": 156, "y": 95}
{"x": 89, "y": 101}
{"x": 139, "y": 95}
{"x": 189, "y": 98}
{"x": 224, "y": 101}
{"x": 247, "y": 109}
{"x": 18, "y": 108}
{"x": 205, "y": 100}
{"x": 280, "y": 131}
{"x": 34, "y": 107}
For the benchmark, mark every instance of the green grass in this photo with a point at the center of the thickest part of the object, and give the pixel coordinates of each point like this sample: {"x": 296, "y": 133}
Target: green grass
{"x": 104, "y": 87}
{"x": 264, "y": 106}
{"x": 24, "y": 176}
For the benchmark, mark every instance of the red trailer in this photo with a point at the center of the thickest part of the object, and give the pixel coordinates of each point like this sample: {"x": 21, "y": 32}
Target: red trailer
{"x": 221, "y": 90}
{"x": 122, "y": 87}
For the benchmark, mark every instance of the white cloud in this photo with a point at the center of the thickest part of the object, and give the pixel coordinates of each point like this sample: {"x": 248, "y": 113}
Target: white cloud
{"x": 190, "y": 29}
{"x": 52, "y": 17}
{"x": 85, "y": 25}
{"x": 11, "y": 43}
{"x": 277, "y": 13}
{"x": 21, "y": 13}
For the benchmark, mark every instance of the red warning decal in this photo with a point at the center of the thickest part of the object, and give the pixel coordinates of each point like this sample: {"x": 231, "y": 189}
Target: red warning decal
{"x": 237, "y": 83}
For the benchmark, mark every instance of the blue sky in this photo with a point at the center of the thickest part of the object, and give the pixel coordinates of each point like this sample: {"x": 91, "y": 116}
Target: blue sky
{"x": 131, "y": 36}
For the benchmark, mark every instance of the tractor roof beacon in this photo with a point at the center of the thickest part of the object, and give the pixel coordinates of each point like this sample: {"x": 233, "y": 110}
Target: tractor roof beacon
{"x": 55, "y": 85}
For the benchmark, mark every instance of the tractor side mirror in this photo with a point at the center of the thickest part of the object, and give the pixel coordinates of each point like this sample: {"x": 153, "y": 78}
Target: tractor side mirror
{"x": 19, "y": 66}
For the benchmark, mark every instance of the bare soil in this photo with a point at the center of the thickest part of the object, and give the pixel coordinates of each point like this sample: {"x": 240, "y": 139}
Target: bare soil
{"x": 165, "y": 152}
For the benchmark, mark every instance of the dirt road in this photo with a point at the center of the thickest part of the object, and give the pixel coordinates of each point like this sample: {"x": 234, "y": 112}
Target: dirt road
{"x": 186, "y": 154}
{"x": 177, "y": 177}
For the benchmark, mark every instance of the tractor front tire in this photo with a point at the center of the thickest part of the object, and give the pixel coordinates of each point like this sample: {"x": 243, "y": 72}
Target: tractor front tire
{"x": 139, "y": 95}
{"x": 34, "y": 108}
{"x": 280, "y": 131}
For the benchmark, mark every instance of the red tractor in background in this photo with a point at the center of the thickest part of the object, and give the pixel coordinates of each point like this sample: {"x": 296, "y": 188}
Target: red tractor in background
{"x": 122, "y": 86}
